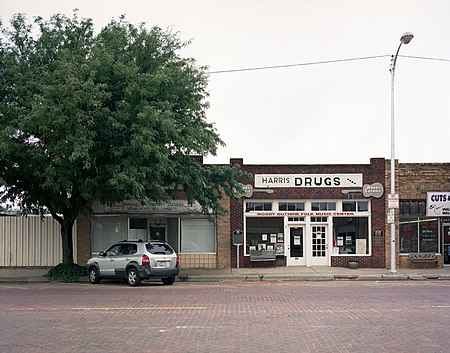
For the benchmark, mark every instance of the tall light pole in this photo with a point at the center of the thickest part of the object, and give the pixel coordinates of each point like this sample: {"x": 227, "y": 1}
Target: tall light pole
{"x": 405, "y": 39}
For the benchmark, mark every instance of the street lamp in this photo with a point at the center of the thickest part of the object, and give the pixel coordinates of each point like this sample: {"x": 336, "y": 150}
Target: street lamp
{"x": 405, "y": 39}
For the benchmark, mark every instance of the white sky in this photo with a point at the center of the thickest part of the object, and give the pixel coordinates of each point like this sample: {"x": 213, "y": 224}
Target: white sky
{"x": 318, "y": 114}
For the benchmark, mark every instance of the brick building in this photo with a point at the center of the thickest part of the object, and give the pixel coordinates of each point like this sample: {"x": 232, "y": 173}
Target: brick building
{"x": 422, "y": 227}
{"x": 313, "y": 215}
{"x": 308, "y": 214}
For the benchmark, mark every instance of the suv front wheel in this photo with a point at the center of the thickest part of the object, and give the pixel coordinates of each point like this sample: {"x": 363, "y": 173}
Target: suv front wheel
{"x": 133, "y": 278}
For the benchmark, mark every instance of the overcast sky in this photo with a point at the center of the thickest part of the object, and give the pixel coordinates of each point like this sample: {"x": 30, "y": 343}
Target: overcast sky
{"x": 333, "y": 113}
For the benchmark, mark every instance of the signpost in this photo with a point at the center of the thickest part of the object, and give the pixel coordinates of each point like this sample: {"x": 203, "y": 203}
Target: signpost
{"x": 393, "y": 201}
{"x": 238, "y": 240}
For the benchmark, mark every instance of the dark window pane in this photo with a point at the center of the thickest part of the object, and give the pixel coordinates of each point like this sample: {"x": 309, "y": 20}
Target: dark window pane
{"x": 349, "y": 206}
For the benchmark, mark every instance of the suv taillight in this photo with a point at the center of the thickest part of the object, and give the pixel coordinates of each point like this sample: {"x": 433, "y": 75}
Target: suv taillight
{"x": 145, "y": 261}
{"x": 178, "y": 262}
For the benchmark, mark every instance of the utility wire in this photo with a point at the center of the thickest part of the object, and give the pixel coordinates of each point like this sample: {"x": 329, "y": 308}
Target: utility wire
{"x": 318, "y": 63}
{"x": 423, "y": 58}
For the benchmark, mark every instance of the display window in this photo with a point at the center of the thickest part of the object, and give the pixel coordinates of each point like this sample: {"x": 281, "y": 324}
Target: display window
{"x": 198, "y": 236}
{"x": 351, "y": 235}
{"x": 418, "y": 235}
{"x": 264, "y": 234}
{"x": 107, "y": 231}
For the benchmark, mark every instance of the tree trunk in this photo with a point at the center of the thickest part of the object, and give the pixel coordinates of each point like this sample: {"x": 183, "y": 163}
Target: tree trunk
{"x": 67, "y": 240}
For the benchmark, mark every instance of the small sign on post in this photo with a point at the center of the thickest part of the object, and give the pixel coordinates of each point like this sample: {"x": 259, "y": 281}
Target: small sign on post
{"x": 393, "y": 201}
{"x": 238, "y": 240}
{"x": 391, "y": 216}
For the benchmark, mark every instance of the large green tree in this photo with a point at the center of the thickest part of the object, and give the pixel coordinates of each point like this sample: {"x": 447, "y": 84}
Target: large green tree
{"x": 105, "y": 116}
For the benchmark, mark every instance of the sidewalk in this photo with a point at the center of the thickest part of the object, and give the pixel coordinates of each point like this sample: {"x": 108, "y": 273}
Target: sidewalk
{"x": 318, "y": 273}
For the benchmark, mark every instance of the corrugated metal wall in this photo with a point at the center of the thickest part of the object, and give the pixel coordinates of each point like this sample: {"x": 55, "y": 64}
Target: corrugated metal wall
{"x": 31, "y": 241}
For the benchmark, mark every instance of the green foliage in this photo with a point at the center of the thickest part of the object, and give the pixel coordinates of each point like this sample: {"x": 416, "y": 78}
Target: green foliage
{"x": 106, "y": 117}
{"x": 66, "y": 272}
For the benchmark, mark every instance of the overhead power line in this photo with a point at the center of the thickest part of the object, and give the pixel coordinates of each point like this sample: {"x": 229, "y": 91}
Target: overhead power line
{"x": 319, "y": 63}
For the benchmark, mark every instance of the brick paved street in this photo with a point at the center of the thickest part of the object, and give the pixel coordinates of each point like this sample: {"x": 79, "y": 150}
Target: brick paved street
{"x": 341, "y": 316}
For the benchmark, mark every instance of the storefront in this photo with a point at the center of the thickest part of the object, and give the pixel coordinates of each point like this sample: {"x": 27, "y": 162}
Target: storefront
{"x": 182, "y": 225}
{"x": 424, "y": 214}
{"x": 313, "y": 215}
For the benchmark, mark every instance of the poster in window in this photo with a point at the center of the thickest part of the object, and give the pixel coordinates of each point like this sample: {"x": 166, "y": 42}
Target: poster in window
{"x": 264, "y": 237}
{"x": 340, "y": 241}
{"x": 361, "y": 246}
{"x": 348, "y": 240}
{"x": 280, "y": 249}
{"x": 261, "y": 246}
{"x": 270, "y": 247}
{"x": 280, "y": 238}
{"x": 273, "y": 238}
{"x": 297, "y": 240}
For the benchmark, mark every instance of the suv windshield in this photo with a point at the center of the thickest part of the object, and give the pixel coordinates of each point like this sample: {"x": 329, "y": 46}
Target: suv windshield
{"x": 159, "y": 248}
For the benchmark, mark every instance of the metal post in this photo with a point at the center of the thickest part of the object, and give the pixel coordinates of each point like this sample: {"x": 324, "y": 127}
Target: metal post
{"x": 405, "y": 39}
{"x": 393, "y": 248}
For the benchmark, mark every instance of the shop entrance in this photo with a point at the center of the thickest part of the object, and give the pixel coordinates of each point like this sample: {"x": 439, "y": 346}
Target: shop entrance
{"x": 307, "y": 249}
{"x": 296, "y": 248}
{"x": 319, "y": 246}
{"x": 446, "y": 243}
{"x": 158, "y": 233}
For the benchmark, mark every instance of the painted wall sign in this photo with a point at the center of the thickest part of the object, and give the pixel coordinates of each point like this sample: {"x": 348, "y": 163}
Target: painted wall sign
{"x": 131, "y": 206}
{"x": 301, "y": 214}
{"x": 438, "y": 204}
{"x": 308, "y": 180}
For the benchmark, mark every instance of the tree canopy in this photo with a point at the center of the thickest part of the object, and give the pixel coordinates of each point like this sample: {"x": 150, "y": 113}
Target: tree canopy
{"x": 105, "y": 116}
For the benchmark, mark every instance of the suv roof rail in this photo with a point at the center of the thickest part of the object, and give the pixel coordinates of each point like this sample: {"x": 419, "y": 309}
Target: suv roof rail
{"x": 132, "y": 240}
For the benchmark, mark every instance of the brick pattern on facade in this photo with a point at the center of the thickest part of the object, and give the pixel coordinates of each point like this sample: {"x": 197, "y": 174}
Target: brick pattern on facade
{"x": 413, "y": 181}
{"x": 373, "y": 172}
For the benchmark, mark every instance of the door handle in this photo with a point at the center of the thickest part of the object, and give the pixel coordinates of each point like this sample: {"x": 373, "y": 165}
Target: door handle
{"x": 111, "y": 260}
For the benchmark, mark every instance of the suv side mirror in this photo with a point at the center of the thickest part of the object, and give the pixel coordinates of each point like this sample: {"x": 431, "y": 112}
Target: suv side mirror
{"x": 101, "y": 253}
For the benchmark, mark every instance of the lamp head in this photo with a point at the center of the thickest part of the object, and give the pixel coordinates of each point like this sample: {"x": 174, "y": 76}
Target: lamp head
{"x": 406, "y": 37}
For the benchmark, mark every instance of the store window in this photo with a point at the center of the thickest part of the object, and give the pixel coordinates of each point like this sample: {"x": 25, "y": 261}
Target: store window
{"x": 291, "y": 206}
{"x": 417, "y": 233}
{"x": 319, "y": 219}
{"x": 351, "y": 235}
{"x": 198, "y": 236}
{"x": 360, "y": 206}
{"x": 264, "y": 234}
{"x": 323, "y": 206}
{"x": 138, "y": 228}
{"x": 107, "y": 231}
{"x": 258, "y": 206}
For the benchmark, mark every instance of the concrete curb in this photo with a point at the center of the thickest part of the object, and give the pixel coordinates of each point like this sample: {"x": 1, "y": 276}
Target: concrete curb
{"x": 37, "y": 276}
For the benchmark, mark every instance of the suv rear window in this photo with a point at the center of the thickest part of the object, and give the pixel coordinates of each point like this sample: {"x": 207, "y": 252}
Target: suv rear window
{"x": 159, "y": 248}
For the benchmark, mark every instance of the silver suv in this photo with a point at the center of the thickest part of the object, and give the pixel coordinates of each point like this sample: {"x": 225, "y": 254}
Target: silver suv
{"x": 135, "y": 260}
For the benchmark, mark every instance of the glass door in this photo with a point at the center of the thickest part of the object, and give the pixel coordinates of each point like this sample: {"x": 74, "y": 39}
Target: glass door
{"x": 158, "y": 233}
{"x": 446, "y": 242}
{"x": 319, "y": 246}
{"x": 296, "y": 248}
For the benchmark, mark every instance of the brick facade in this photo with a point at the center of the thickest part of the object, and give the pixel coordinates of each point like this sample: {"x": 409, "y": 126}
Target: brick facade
{"x": 413, "y": 181}
{"x": 373, "y": 172}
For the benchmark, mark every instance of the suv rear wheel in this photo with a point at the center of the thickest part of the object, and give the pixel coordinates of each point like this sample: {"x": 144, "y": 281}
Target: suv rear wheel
{"x": 94, "y": 278}
{"x": 133, "y": 278}
{"x": 168, "y": 281}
